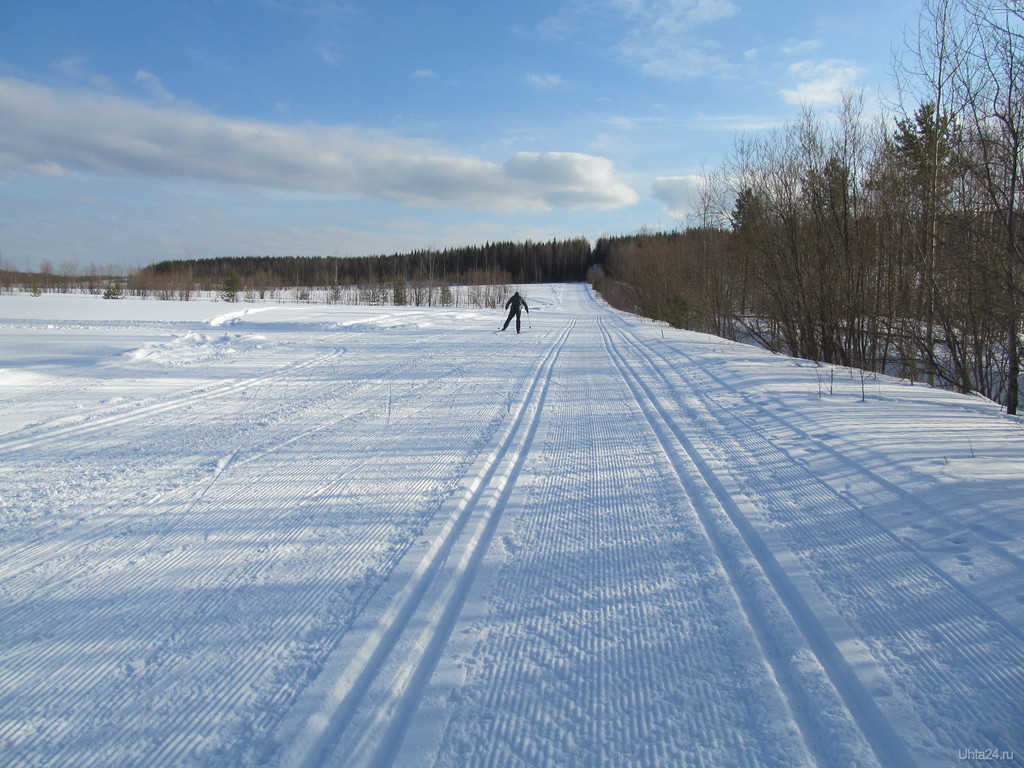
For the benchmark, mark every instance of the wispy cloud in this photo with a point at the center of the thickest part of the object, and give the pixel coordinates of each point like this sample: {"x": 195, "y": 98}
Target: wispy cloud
{"x": 789, "y": 48}
{"x": 663, "y": 38}
{"x": 732, "y": 123}
{"x": 328, "y": 55}
{"x": 153, "y": 86}
{"x": 794, "y": 47}
{"x": 725, "y": 123}
{"x": 821, "y": 83}
{"x": 545, "y": 82}
{"x": 671, "y": 60}
{"x": 664, "y": 41}
{"x": 46, "y": 130}
{"x": 77, "y": 68}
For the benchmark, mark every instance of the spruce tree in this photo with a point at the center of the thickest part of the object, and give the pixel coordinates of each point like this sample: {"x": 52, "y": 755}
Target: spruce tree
{"x": 232, "y": 285}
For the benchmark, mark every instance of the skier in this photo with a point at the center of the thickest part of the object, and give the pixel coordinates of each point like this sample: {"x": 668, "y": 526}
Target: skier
{"x": 516, "y": 305}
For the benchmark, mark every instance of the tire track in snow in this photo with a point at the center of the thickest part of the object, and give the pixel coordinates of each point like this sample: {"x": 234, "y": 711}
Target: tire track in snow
{"x": 388, "y": 671}
{"x": 761, "y": 581}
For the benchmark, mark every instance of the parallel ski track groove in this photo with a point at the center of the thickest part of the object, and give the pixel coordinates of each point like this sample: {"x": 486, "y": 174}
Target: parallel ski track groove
{"x": 11, "y": 444}
{"x": 888, "y": 747}
{"x": 181, "y": 571}
{"x": 530, "y": 649}
{"x": 27, "y": 662}
{"x": 604, "y": 652}
{"x": 484, "y": 499}
{"x": 884, "y": 486}
{"x": 33, "y": 555}
{"x": 976, "y": 644}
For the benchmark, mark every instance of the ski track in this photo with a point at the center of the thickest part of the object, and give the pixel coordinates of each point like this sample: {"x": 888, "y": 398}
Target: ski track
{"x": 619, "y": 641}
{"x": 588, "y": 545}
{"x": 417, "y": 620}
{"x": 182, "y": 568}
{"x": 969, "y": 652}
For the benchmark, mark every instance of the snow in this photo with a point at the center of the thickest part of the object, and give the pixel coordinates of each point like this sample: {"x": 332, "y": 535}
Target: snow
{"x": 303, "y": 535}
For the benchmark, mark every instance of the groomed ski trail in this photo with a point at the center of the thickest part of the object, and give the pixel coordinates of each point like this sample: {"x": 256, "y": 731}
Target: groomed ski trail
{"x": 416, "y": 622}
{"x": 595, "y": 544}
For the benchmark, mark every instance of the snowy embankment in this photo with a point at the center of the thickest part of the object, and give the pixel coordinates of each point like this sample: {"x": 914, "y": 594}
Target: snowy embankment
{"x": 263, "y": 535}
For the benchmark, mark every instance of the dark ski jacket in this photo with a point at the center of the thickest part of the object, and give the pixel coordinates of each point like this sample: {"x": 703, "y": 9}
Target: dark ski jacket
{"x": 516, "y": 303}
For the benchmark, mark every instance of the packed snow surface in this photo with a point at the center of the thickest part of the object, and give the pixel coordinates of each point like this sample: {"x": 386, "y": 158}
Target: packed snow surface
{"x": 311, "y": 535}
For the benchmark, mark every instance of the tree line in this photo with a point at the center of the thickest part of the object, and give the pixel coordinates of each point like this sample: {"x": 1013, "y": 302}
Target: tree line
{"x": 426, "y": 270}
{"x": 892, "y": 245}
{"x": 65, "y": 279}
{"x": 424, "y": 277}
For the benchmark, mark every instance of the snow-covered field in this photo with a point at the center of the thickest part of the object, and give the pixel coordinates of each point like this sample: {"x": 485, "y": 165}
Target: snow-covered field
{"x": 283, "y": 535}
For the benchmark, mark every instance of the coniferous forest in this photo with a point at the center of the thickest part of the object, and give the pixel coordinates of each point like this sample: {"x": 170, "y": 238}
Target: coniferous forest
{"x": 507, "y": 262}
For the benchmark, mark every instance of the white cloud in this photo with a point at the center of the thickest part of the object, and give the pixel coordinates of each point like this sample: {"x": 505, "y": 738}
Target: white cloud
{"x": 328, "y": 55}
{"x": 678, "y": 193}
{"x": 545, "y": 82}
{"x": 705, "y": 11}
{"x": 622, "y": 122}
{"x": 695, "y": 197}
{"x": 732, "y": 123}
{"x": 794, "y": 47}
{"x": 91, "y": 132}
{"x": 76, "y": 68}
{"x": 425, "y": 74}
{"x": 671, "y": 60}
{"x": 570, "y": 179}
{"x": 73, "y": 67}
{"x": 663, "y": 40}
{"x": 821, "y": 83}
{"x": 151, "y": 83}
{"x": 790, "y": 47}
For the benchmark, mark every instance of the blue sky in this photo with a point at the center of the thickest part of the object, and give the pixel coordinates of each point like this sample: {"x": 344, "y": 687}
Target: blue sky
{"x": 142, "y": 131}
